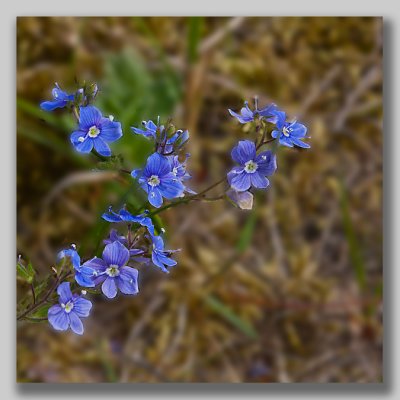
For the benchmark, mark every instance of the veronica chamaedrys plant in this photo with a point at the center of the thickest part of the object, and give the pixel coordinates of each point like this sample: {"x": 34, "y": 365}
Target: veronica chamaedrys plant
{"x": 135, "y": 238}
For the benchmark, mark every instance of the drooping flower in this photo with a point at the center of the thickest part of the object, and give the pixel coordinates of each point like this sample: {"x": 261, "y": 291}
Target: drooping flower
{"x": 248, "y": 115}
{"x": 158, "y": 181}
{"x": 112, "y": 272}
{"x": 161, "y": 257}
{"x": 243, "y": 200}
{"x": 126, "y": 216}
{"x": 175, "y": 142}
{"x": 94, "y": 131}
{"x": 70, "y": 309}
{"x": 83, "y": 274}
{"x": 253, "y": 168}
{"x": 288, "y": 133}
{"x": 61, "y": 99}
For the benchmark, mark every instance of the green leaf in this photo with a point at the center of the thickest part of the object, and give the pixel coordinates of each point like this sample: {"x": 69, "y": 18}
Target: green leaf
{"x": 25, "y": 273}
{"x": 41, "y": 312}
{"x": 228, "y": 314}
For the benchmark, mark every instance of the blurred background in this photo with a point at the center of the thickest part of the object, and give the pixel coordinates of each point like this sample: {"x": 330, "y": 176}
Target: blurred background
{"x": 288, "y": 292}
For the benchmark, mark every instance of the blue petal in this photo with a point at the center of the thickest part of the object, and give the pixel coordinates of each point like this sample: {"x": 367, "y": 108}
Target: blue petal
{"x": 285, "y": 141}
{"x": 75, "y": 136}
{"x": 116, "y": 254}
{"x": 109, "y": 288}
{"x": 82, "y": 307}
{"x": 278, "y": 118}
{"x": 110, "y": 131}
{"x": 276, "y": 134}
{"x": 158, "y": 242}
{"x": 171, "y": 188}
{"x": 64, "y": 292}
{"x": 244, "y": 151}
{"x": 242, "y": 119}
{"x": 157, "y": 261}
{"x": 127, "y": 216}
{"x": 136, "y": 173}
{"x": 96, "y": 264}
{"x": 268, "y": 110}
{"x": 241, "y": 182}
{"x": 298, "y": 130}
{"x": 85, "y": 280}
{"x": 155, "y": 198}
{"x": 299, "y": 143}
{"x": 73, "y": 255}
{"x": 85, "y": 147}
{"x": 157, "y": 165}
{"x": 75, "y": 323}
{"x": 52, "y": 105}
{"x": 127, "y": 280}
{"x": 89, "y": 116}
{"x": 111, "y": 217}
{"x": 58, "y": 318}
{"x": 259, "y": 181}
{"x": 101, "y": 147}
{"x": 266, "y": 162}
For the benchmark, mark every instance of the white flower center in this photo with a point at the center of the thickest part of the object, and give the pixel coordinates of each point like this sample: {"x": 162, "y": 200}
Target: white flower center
{"x": 154, "y": 180}
{"x": 112, "y": 270}
{"x": 93, "y": 131}
{"x": 250, "y": 167}
{"x": 175, "y": 171}
{"x": 286, "y": 131}
{"x": 68, "y": 307}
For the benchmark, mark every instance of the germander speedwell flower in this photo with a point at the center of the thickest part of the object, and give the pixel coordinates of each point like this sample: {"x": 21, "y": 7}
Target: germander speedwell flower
{"x": 253, "y": 168}
{"x": 158, "y": 180}
{"x": 94, "y": 131}
{"x": 112, "y": 271}
{"x": 70, "y": 309}
{"x": 288, "y": 133}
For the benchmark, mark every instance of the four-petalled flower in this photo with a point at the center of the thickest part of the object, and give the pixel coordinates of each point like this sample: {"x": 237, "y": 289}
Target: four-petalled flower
{"x": 253, "y": 168}
{"x": 70, "y": 309}
{"x": 94, "y": 131}
{"x": 158, "y": 180}
{"x": 288, "y": 133}
{"x": 112, "y": 272}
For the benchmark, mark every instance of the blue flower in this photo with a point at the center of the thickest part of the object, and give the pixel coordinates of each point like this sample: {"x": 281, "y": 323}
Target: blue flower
{"x": 67, "y": 314}
{"x": 158, "y": 181}
{"x": 253, "y": 168}
{"x": 83, "y": 274}
{"x": 112, "y": 271}
{"x": 94, "y": 131}
{"x": 125, "y": 216}
{"x": 61, "y": 99}
{"x": 149, "y": 129}
{"x": 161, "y": 257}
{"x": 288, "y": 133}
{"x": 248, "y": 115}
